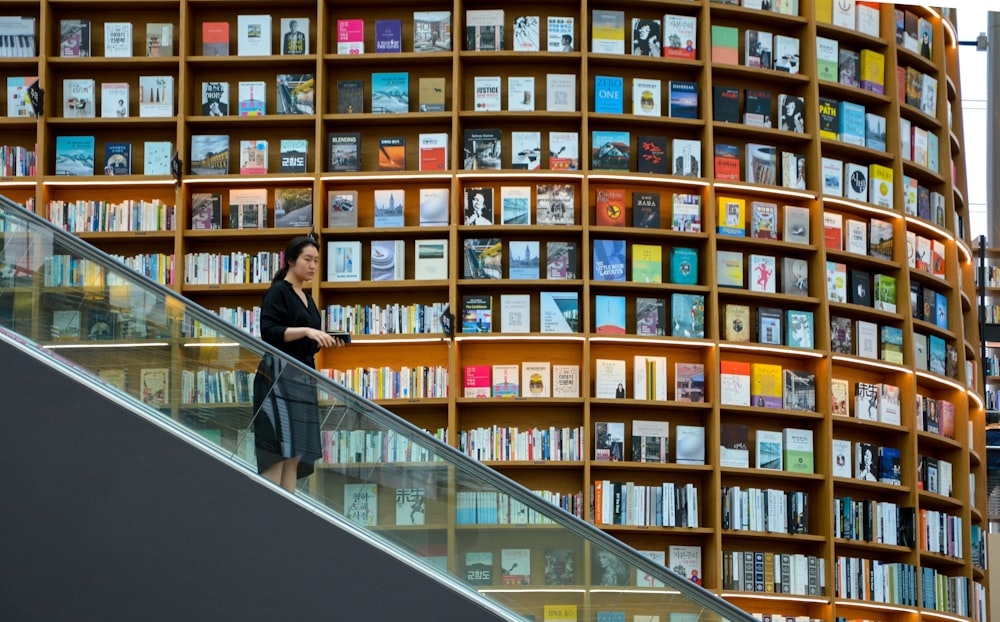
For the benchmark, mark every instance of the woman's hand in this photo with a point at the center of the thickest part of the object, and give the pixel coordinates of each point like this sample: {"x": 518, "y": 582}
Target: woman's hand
{"x": 324, "y": 340}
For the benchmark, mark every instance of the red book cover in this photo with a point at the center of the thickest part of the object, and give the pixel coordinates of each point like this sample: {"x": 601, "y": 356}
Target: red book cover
{"x": 727, "y": 162}
{"x": 610, "y": 208}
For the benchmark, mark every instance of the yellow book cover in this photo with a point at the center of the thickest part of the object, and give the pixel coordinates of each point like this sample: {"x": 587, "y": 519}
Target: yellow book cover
{"x": 880, "y": 185}
{"x": 737, "y": 323}
{"x": 732, "y": 216}
{"x": 823, "y": 9}
{"x": 828, "y": 110}
{"x": 560, "y": 613}
{"x": 647, "y": 263}
{"x": 765, "y": 385}
{"x": 873, "y": 71}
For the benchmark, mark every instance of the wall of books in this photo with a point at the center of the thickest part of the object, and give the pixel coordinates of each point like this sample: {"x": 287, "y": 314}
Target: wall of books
{"x": 707, "y": 260}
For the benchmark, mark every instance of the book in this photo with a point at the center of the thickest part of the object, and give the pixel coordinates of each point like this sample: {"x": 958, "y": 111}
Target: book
{"x": 609, "y": 441}
{"x": 392, "y": 153}
{"x": 482, "y": 150}
{"x": 154, "y": 385}
{"x": 689, "y": 382}
{"x": 215, "y": 99}
{"x": 431, "y": 31}
{"x": 769, "y": 321}
{"x": 680, "y": 38}
{"x": 430, "y": 260}
{"x": 520, "y": 93}
{"x": 764, "y": 220}
{"x": 486, "y": 93}
{"x": 651, "y": 154}
{"x": 794, "y": 276}
{"x": 206, "y": 210}
{"x": 646, "y": 210}
{"x": 608, "y": 260}
{"x": 560, "y": 92}
{"x": 855, "y": 182}
{"x": 799, "y": 333}
{"x": 344, "y": 151}
{"x": 159, "y": 39}
{"x": 478, "y": 206}
{"x": 294, "y": 37}
{"x": 686, "y": 157}
{"x": 559, "y": 312}
{"x": 609, "y": 207}
{"x": 726, "y": 104}
{"x": 646, "y": 37}
{"x": 156, "y": 96}
{"x": 734, "y": 445}
{"x": 515, "y": 566}
{"x": 610, "y": 150}
{"x": 650, "y": 316}
{"x": 768, "y": 452}
{"x": 687, "y": 315}
{"x": 647, "y": 98}
{"x": 609, "y": 94}
{"x": 841, "y": 450}
{"x": 248, "y": 208}
{"x": 114, "y": 100}
{"x": 342, "y": 208}
{"x": 476, "y": 381}
{"x": 737, "y": 323}
{"x": 526, "y": 33}
{"x": 564, "y": 151}
{"x": 477, "y": 313}
{"x": 559, "y": 613}
{"x": 685, "y": 560}
{"x": 156, "y": 157}
{"x": 758, "y": 49}
{"x": 683, "y": 265}
{"x": 118, "y": 158}
{"x": 506, "y": 380}
{"x": 74, "y": 155}
{"x": 560, "y": 569}
{"x": 796, "y": 225}
{"x": 74, "y": 38}
{"x": 559, "y": 34}
{"x": 686, "y": 213}
{"x": 734, "y": 383}
{"x": 609, "y": 314}
{"x": 18, "y": 100}
{"x": 432, "y": 152}
{"x": 536, "y": 379}
{"x": 215, "y": 38}
{"x": 295, "y": 93}
{"x": 725, "y": 45}
{"x": 649, "y": 378}
{"x": 560, "y": 260}
{"x": 79, "y": 98}
{"x": 253, "y": 157}
{"x": 761, "y": 164}
{"x": 253, "y": 35}
{"x": 388, "y": 260}
{"x": 388, "y": 36}
{"x": 786, "y": 53}
{"x": 351, "y": 96}
{"x": 411, "y": 506}
{"x": 293, "y": 153}
{"x": 479, "y": 567}
{"x": 430, "y": 94}
{"x": 390, "y": 92}
{"x": 690, "y": 444}
{"x": 732, "y": 216}
{"x": 343, "y": 261}
{"x": 841, "y": 340}
{"x": 389, "y": 207}
{"x": 762, "y": 273}
{"x": 729, "y": 268}
{"x": 650, "y": 441}
{"x": 607, "y": 32}
{"x": 524, "y": 260}
{"x": 798, "y": 448}
{"x": 351, "y": 36}
{"x": 609, "y": 379}
{"x": 117, "y": 39}
{"x": 827, "y": 59}
{"x": 644, "y": 579}
{"x": 484, "y": 30}
{"x": 833, "y": 177}
{"x": 757, "y": 108}
{"x": 727, "y": 161}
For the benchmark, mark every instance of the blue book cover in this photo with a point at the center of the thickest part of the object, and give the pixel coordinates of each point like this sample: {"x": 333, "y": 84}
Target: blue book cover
{"x": 936, "y": 346}
{"x": 687, "y": 315}
{"x": 388, "y": 36}
{"x": 524, "y": 262}
{"x": 683, "y": 266}
{"x": 609, "y": 94}
{"x": 610, "y": 150}
{"x": 683, "y": 99}
{"x": 609, "y": 260}
{"x": 117, "y": 158}
{"x": 890, "y": 471}
{"x": 610, "y": 616}
{"x": 74, "y": 155}
{"x": 609, "y": 314}
{"x": 799, "y": 328}
{"x": 391, "y": 92}
{"x": 941, "y": 310}
{"x": 852, "y": 123}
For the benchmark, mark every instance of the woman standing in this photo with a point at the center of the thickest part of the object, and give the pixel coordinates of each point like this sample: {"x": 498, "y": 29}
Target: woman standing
{"x": 286, "y": 422}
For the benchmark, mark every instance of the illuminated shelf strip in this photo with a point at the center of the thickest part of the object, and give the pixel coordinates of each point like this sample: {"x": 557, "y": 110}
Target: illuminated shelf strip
{"x": 926, "y": 226}
{"x": 387, "y": 177}
{"x": 938, "y": 379}
{"x": 872, "y": 363}
{"x": 862, "y": 604}
{"x": 533, "y": 591}
{"x": 380, "y": 341}
{"x": 782, "y": 597}
{"x": 514, "y": 174}
{"x": 240, "y": 179}
{"x": 119, "y": 181}
{"x": 653, "y": 341}
{"x": 977, "y": 399}
{"x": 763, "y": 349}
{"x": 10, "y": 183}
{"x": 765, "y": 190}
{"x": 213, "y": 344}
{"x": 679, "y": 181}
{"x": 502, "y": 337}
{"x": 861, "y": 206}
{"x": 76, "y": 346}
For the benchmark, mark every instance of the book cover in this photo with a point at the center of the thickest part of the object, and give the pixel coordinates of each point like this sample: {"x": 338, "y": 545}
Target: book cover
{"x": 206, "y": 210}
{"x": 515, "y": 566}
{"x": 215, "y": 38}
{"x": 18, "y": 99}
{"x": 686, "y": 157}
{"x": 154, "y": 384}
{"x": 117, "y": 39}
{"x": 248, "y": 208}
{"x": 118, "y": 158}
{"x": 644, "y": 579}
{"x": 215, "y": 99}
{"x": 732, "y": 216}
{"x": 559, "y": 34}
{"x": 609, "y": 207}
{"x": 390, "y": 92}
{"x": 156, "y": 96}
{"x": 690, "y": 447}
{"x": 483, "y": 258}
{"x": 841, "y": 340}
{"x": 560, "y": 260}
{"x": 734, "y": 445}
{"x": 432, "y": 151}
{"x": 646, "y": 37}
{"x": 762, "y": 273}
{"x": 726, "y": 104}
{"x": 651, "y": 154}
{"x": 799, "y": 332}
{"x": 680, "y": 38}
{"x": 609, "y": 260}
{"x": 683, "y": 265}
{"x": 794, "y": 276}
{"x": 431, "y": 31}
{"x": 74, "y": 38}
{"x": 79, "y": 98}
{"x": 564, "y": 151}
{"x": 764, "y": 220}
{"x": 479, "y": 568}
{"x": 536, "y": 379}
{"x": 647, "y": 97}
{"x": 389, "y": 207}
{"x": 74, "y": 155}
{"x": 476, "y": 381}
{"x": 293, "y": 153}
{"x": 526, "y": 33}
{"x": 506, "y": 380}
{"x": 253, "y": 35}
{"x": 295, "y": 36}
{"x": 484, "y": 30}
{"x": 350, "y": 96}
{"x": 727, "y": 162}
{"x": 842, "y": 466}
{"x": 798, "y": 447}
{"x": 392, "y": 153}
{"x": 609, "y": 94}
{"x": 609, "y": 314}
{"x": 560, "y": 92}
{"x": 430, "y": 260}
{"x": 482, "y": 149}
{"x": 757, "y": 107}
{"x": 646, "y": 210}
{"x": 351, "y": 36}
{"x": 559, "y": 312}
{"x": 650, "y": 441}
{"x": 725, "y": 45}
{"x": 761, "y": 164}
{"x": 607, "y": 32}
{"x": 411, "y": 506}
{"x": 796, "y": 225}
{"x": 345, "y": 151}
{"x": 388, "y": 260}
{"x": 768, "y": 446}
{"x": 430, "y": 94}
{"x": 524, "y": 260}
{"x": 609, "y": 383}
{"x": 689, "y": 382}
{"x": 685, "y": 560}
{"x": 758, "y": 48}
{"x": 114, "y": 100}
{"x": 769, "y": 321}
{"x": 560, "y": 569}
{"x": 478, "y": 206}
{"x": 833, "y": 177}
{"x": 610, "y": 150}
{"x": 342, "y": 208}
{"x": 477, "y": 314}
{"x": 649, "y": 377}
{"x": 687, "y": 315}
{"x": 156, "y": 157}
{"x": 253, "y": 157}
{"x": 650, "y": 316}
{"x": 686, "y": 213}
{"x": 295, "y": 93}
{"x": 486, "y": 93}
{"x": 734, "y": 383}
{"x": 520, "y": 93}
{"x": 786, "y": 53}
{"x": 343, "y": 261}
{"x": 159, "y": 39}
{"x": 736, "y": 323}
{"x": 388, "y": 36}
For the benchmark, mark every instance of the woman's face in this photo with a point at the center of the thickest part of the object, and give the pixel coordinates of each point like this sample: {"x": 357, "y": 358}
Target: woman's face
{"x": 304, "y": 267}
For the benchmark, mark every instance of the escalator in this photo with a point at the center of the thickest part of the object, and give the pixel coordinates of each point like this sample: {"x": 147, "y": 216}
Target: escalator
{"x": 132, "y": 492}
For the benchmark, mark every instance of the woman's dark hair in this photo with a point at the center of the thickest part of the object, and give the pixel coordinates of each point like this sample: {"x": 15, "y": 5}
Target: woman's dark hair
{"x": 292, "y": 252}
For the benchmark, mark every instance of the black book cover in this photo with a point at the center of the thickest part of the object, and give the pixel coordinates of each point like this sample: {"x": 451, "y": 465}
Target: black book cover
{"x": 860, "y": 292}
{"x": 917, "y": 301}
{"x": 350, "y": 96}
{"x": 646, "y": 210}
{"x": 726, "y": 104}
{"x": 345, "y": 151}
{"x": 652, "y": 155}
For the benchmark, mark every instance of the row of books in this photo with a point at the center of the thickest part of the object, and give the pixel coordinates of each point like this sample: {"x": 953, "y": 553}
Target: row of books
{"x": 390, "y": 319}
{"x": 866, "y": 520}
{"x": 921, "y": 201}
{"x": 867, "y": 339}
{"x": 935, "y": 475}
{"x": 773, "y": 326}
{"x": 497, "y": 508}
{"x": 76, "y": 40}
{"x": 18, "y": 37}
{"x": 762, "y": 219}
{"x": 388, "y": 260}
{"x": 559, "y": 312}
{"x": 782, "y": 7}
{"x": 18, "y": 161}
{"x": 646, "y": 97}
{"x": 79, "y": 98}
{"x": 788, "y": 450}
{"x": 384, "y": 383}
{"x": 513, "y": 444}
{"x": 675, "y": 36}
{"x": 83, "y": 216}
{"x": 871, "y": 462}
{"x": 917, "y": 89}
{"x": 762, "y": 164}
{"x": 650, "y": 380}
{"x": 770, "y": 572}
{"x": 952, "y": 594}
{"x": 876, "y": 581}
{"x": 755, "y": 107}
{"x": 851, "y": 123}
{"x": 527, "y": 379}
{"x": 75, "y": 155}
{"x": 940, "y": 533}
{"x": 234, "y": 268}
{"x": 872, "y": 401}
{"x": 554, "y": 204}
{"x": 374, "y": 446}
{"x": 655, "y": 505}
{"x": 878, "y": 292}
{"x": 765, "y": 510}
{"x": 864, "y": 69}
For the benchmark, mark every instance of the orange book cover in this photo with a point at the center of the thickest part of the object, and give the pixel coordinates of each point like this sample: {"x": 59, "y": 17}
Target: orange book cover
{"x": 610, "y": 205}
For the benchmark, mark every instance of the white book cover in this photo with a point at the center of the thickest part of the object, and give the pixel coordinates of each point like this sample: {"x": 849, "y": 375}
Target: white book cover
{"x": 521, "y": 93}
{"x": 686, "y": 157}
{"x": 388, "y": 259}
{"x": 609, "y": 378}
{"x": 763, "y": 275}
{"x": 690, "y": 448}
{"x": 649, "y": 377}
{"x": 79, "y": 98}
{"x": 253, "y": 35}
{"x": 786, "y": 53}
{"x": 845, "y": 14}
{"x": 526, "y": 33}
{"x": 536, "y": 379}
{"x": 560, "y": 92}
{"x": 842, "y": 458}
{"x": 866, "y": 334}
{"x": 526, "y": 150}
{"x": 888, "y": 403}
{"x": 515, "y": 313}
{"x": 18, "y": 101}
{"x": 833, "y": 177}
{"x": 430, "y": 260}
{"x": 607, "y": 32}
{"x": 487, "y": 93}
{"x": 343, "y": 261}
{"x": 361, "y": 503}
{"x": 411, "y": 506}
{"x": 560, "y": 36}
{"x": 156, "y": 96}
{"x": 643, "y": 579}
{"x": 856, "y": 237}
{"x": 114, "y": 100}
{"x": 433, "y": 153}
{"x": 506, "y": 380}
{"x": 117, "y": 39}
{"x": 434, "y": 207}
{"x": 559, "y": 312}
{"x": 156, "y": 157}
{"x": 566, "y": 381}
{"x": 646, "y": 97}
{"x": 515, "y": 206}
{"x": 856, "y": 181}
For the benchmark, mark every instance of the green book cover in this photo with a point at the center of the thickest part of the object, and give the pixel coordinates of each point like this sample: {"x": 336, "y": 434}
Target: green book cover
{"x": 798, "y": 445}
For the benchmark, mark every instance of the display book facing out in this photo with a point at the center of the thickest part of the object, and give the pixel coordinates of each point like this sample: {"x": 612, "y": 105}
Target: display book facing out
{"x": 677, "y": 312}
